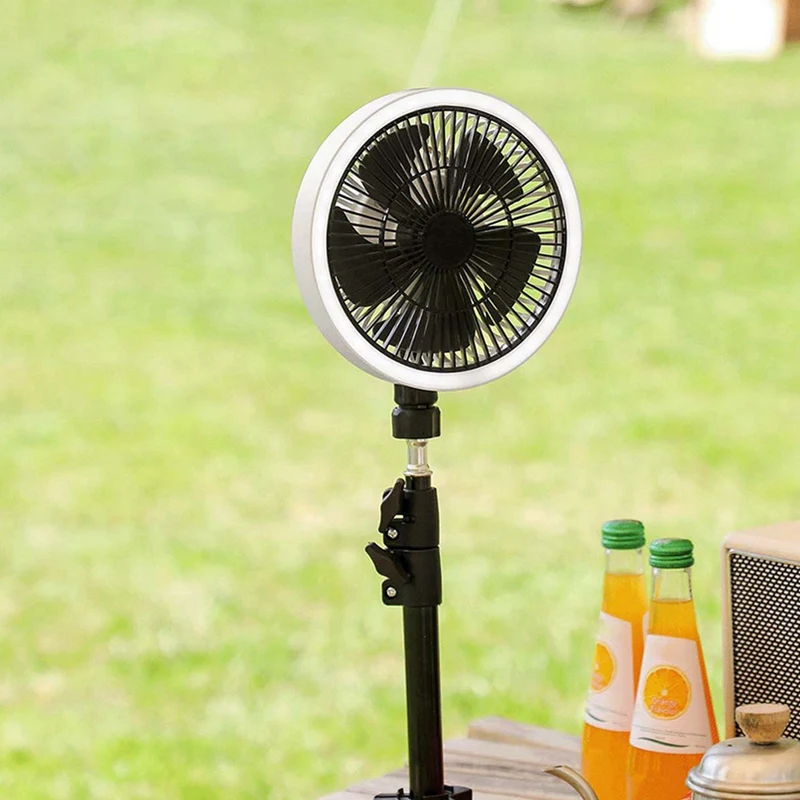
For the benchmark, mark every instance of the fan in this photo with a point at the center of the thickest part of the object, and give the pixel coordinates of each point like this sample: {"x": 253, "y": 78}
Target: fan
{"x": 436, "y": 242}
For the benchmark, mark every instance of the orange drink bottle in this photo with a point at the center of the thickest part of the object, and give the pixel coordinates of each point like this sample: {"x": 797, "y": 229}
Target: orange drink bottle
{"x": 617, "y": 658}
{"x": 673, "y": 721}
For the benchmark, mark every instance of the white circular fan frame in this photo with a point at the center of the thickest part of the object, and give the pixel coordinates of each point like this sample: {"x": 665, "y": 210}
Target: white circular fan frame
{"x": 458, "y": 132}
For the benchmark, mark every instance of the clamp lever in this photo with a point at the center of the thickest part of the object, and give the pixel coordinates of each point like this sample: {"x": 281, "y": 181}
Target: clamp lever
{"x": 388, "y": 564}
{"x": 391, "y": 505}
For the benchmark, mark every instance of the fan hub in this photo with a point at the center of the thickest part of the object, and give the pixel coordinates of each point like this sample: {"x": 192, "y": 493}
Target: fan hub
{"x": 448, "y": 240}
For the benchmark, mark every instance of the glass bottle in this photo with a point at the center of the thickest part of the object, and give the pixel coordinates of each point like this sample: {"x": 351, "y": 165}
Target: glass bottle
{"x": 617, "y": 659}
{"x": 673, "y": 721}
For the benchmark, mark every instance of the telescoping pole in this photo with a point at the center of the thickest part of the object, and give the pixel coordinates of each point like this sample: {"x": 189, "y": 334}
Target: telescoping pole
{"x": 423, "y": 691}
{"x": 411, "y": 565}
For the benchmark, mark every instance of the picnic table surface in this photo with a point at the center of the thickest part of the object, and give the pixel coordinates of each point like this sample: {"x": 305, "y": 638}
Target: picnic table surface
{"x": 499, "y": 759}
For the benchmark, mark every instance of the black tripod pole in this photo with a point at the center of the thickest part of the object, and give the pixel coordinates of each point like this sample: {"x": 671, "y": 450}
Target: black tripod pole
{"x": 411, "y": 565}
{"x": 423, "y": 701}
{"x": 423, "y": 687}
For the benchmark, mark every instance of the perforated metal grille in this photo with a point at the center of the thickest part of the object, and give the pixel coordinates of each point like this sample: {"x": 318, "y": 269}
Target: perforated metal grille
{"x": 765, "y": 617}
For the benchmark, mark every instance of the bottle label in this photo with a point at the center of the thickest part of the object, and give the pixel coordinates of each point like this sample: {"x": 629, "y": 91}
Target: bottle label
{"x": 671, "y": 714}
{"x": 611, "y": 690}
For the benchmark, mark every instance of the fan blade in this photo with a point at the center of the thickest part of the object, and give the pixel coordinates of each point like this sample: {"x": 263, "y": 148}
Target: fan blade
{"x": 447, "y": 323}
{"x": 362, "y": 268}
{"x": 506, "y": 258}
{"x": 454, "y": 328}
{"x": 384, "y": 169}
{"x": 484, "y": 168}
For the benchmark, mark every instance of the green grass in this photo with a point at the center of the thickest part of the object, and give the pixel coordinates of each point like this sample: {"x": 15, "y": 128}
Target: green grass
{"x": 188, "y": 473}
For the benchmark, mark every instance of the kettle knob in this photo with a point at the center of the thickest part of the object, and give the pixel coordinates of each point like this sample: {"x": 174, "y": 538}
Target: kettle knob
{"x": 763, "y": 723}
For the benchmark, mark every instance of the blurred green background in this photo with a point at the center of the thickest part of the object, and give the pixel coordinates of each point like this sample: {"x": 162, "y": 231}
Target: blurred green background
{"x": 188, "y": 471}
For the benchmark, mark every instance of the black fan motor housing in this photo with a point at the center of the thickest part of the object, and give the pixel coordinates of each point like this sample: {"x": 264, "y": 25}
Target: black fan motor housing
{"x": 448, "y": 240}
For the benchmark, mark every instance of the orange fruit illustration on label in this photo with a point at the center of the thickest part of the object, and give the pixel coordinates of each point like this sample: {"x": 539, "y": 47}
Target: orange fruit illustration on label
{"x": 604, "y": 668}
{"x": 667, "y": 692}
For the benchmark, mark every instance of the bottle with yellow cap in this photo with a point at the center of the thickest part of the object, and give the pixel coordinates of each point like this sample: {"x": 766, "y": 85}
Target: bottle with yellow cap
{"x": 617, "y": 658}
{"x": 673, "y": 720}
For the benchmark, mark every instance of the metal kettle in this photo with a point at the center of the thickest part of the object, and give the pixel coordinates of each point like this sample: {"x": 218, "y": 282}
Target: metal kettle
{"x": 756, "y": 766}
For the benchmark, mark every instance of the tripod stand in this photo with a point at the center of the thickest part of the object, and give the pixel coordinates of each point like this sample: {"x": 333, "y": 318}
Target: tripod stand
{"x": 411, "y": 566}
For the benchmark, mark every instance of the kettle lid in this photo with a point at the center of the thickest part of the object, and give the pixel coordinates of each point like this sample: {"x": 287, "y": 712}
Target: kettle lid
{"x": 760, "y": 765}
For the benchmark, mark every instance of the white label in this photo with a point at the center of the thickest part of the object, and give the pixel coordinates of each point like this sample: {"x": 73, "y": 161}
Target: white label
{"x": 611, "y": 691}
{"x": 671, "y": 714}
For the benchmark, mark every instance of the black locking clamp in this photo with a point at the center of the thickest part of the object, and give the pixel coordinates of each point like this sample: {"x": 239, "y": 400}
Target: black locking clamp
{"x": 410, "y": 561}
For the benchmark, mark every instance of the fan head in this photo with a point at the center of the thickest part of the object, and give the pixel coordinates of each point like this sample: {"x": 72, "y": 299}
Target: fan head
{"x": 437, "y": 238}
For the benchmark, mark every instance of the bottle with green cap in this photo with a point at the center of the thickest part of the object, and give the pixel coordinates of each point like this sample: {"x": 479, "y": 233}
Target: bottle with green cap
{"x": 617, "y": 659}
{"x": 673, "y": 720}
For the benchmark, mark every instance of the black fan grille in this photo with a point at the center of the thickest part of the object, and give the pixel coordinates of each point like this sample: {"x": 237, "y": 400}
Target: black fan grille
{"x": 447, "y": 239}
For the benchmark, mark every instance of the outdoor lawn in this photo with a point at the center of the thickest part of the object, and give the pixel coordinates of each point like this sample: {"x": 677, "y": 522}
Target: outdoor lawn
{"x": 189, "y": 473}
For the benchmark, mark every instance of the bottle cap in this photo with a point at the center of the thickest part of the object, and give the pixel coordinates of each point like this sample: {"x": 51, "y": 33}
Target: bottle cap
{"x": 671, "y": 553}
{"x": 623, "y": 534}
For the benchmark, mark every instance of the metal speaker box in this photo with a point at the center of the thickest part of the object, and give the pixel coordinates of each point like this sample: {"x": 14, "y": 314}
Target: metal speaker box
{"x": 761, "y": 620}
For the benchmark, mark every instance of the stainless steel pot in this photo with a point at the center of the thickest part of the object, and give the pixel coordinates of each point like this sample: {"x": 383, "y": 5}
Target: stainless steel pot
{"x": 757, "y": 766}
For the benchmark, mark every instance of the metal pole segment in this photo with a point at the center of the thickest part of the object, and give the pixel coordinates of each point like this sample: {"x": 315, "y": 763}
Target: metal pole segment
{"x": 423, "y": 702}
{"x": 423, "y": 689}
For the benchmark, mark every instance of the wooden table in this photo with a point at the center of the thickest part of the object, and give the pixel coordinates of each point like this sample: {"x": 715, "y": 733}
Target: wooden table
{"x": 499, "y": 760}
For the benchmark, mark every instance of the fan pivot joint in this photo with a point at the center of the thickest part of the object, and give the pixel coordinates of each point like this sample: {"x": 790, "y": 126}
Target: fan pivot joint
{"x": 416, "y": 415}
